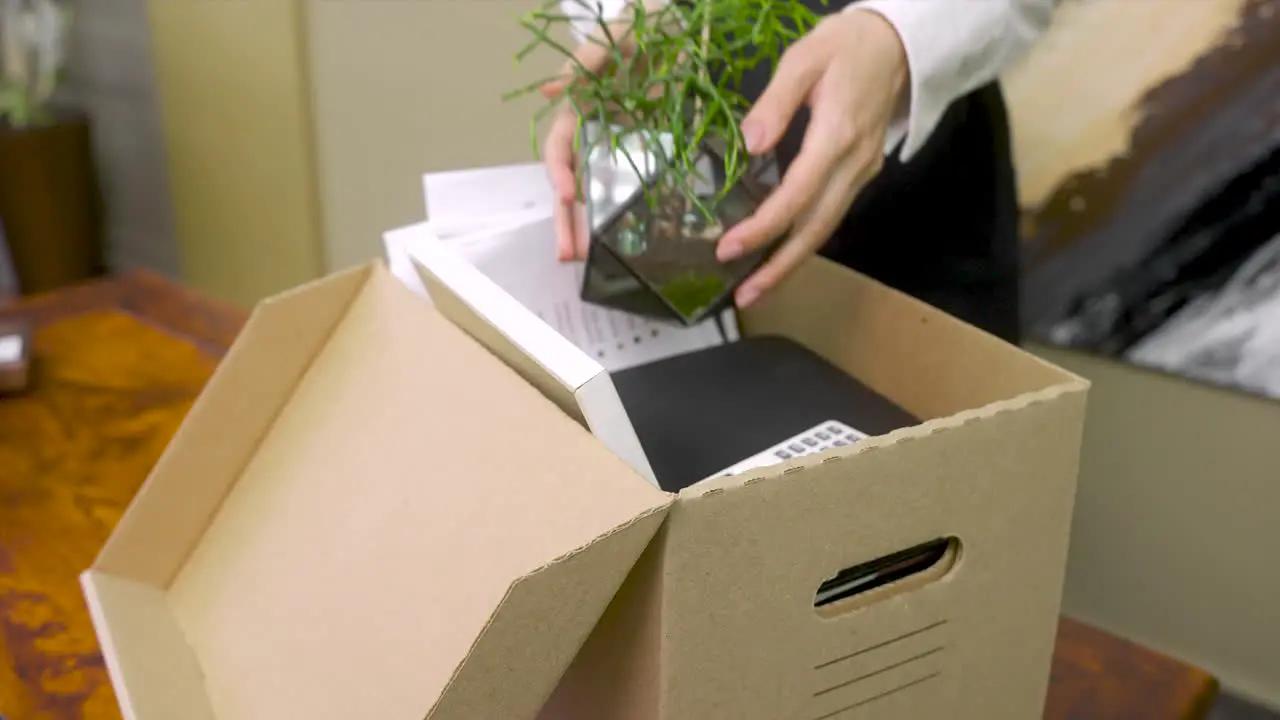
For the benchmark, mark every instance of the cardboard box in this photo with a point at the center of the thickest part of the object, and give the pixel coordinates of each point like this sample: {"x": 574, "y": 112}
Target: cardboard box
{"x": 368, "y": 514}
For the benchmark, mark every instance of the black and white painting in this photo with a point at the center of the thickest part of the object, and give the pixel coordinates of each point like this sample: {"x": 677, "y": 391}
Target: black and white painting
{"x": 1227, "y": 336}
{"x": 1167, "y": 253}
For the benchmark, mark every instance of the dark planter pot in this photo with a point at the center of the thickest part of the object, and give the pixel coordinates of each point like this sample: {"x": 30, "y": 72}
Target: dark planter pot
{"x": 49, "y": 204}
{"x": 654, "y": 254}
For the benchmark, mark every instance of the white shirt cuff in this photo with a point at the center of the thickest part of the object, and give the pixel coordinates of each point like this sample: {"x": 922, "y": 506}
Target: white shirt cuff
{"x": 586, "y": 15}
{"x": 898, "y": 129}
{"x": 954, "y": 47}
{"x": 919, "y": 26}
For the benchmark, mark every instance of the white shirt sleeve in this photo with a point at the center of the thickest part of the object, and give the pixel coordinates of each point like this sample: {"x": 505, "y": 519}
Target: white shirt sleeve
{"x": 586, "y": 15}
{"x": 954, "y": 47}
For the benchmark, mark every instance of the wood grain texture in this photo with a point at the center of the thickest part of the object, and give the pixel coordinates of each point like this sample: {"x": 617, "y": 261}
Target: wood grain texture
{"x": 119, "y": 364}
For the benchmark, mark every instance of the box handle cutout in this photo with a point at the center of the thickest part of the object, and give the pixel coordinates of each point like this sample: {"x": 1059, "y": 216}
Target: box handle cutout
{"x": 886, "y": 576}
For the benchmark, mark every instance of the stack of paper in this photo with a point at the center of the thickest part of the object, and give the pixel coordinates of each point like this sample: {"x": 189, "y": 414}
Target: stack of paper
{"x": 500, "y": 220}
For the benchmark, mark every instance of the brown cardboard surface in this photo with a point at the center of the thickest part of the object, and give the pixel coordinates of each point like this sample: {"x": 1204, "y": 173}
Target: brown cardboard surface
{"x": 334, "y": 515}
{"x": 534, "y": 372}
{"x": 335, "y": 533}
{"x": 154, "y": 671}
{"x": 926, "y": 361}
{"x": 717, "y": 620}
{"x": 576, "y": 383}
{"x": 979, "y": 640}
{"x": 237, "y": 408}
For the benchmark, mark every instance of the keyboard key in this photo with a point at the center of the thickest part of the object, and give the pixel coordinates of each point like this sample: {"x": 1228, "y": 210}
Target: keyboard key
{"x": 783, "y": 454}
{"x": 823, "y": 435}
{"x": 835, "y": 430}
{"x": 810, "y": 442}
{"x": 796, "y": 447}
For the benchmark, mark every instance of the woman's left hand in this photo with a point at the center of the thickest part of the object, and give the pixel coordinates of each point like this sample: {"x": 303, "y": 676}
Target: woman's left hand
{"x": 851, "y": 71}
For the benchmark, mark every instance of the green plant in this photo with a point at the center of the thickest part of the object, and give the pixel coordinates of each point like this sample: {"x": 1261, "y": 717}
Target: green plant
{"x": 673, "y": 74}
{"x": 33, "y": 37}
{"x": 691, "y": 292}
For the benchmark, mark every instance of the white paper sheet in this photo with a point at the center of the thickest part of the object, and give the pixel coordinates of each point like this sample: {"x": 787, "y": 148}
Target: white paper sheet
{"x": 499, "y": 219}
{"x": 462, "y": 197}
{"x": 522, "y": 261}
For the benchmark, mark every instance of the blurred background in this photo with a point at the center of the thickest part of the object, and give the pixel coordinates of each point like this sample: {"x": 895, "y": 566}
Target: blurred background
{"x": 245, "y": 147}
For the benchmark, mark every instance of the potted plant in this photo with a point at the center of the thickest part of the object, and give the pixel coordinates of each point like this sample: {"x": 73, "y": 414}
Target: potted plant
{"x": 664, "y": 164}
{"x": 48, "y": 190}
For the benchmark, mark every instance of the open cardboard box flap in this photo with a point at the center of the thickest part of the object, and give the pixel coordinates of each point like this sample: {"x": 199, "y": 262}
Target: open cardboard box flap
{"x": 364, "y": 500}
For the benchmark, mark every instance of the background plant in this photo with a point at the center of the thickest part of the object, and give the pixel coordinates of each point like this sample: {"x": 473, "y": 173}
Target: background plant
{"x": 674, "y": 71}
{"x": 33, "y": 35}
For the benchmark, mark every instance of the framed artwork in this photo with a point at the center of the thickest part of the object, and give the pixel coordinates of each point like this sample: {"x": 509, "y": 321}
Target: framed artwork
{"x": 1150, "y": 184}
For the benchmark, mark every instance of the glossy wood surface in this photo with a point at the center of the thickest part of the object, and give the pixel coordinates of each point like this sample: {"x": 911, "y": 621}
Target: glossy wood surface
{"x": 1098, "y": 676}
{"x": 119, "y": 364}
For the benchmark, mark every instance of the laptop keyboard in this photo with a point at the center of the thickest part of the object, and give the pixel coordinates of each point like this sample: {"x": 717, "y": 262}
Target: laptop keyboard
{"x": 819, "y": 438}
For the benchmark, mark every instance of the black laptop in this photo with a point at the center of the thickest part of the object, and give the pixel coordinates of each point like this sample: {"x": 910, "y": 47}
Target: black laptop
{"x": 750, "y": 403}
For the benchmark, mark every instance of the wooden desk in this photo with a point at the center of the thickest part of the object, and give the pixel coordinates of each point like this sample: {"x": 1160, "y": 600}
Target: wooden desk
{"x": 120, "y": 362}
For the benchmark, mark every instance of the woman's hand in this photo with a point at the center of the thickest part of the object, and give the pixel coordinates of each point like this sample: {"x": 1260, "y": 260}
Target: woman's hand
{"x": 592, "y": 56}
{"x": 851, "y": 71}
{"x": 572, "y": 237}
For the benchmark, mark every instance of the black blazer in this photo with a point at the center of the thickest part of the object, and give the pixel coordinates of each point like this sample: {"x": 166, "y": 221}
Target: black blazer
{"x": 944, "y": 226}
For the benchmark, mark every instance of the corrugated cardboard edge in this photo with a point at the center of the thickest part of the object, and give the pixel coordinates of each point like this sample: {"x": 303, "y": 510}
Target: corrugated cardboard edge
{"x": 591, "y": 575}
{"x": 631, "y": 687}
{"x": 146, "y": 652}
{"x": 161, "y": 661}
{"x": 544, "y": 357}
{"x": 126, "y": 555}
{"x": 1009, "y": 503}
{"x": 132, "y": 563}
{"x": 1074, "y": 385}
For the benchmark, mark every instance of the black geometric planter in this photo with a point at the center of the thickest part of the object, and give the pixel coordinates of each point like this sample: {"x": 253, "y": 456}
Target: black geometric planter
{"x": 653, "y": 254}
